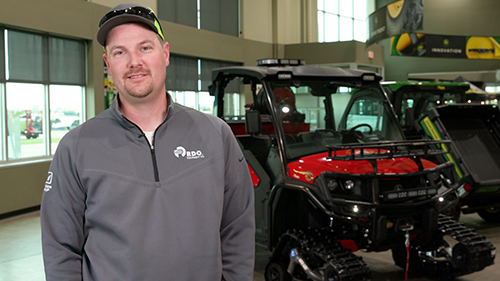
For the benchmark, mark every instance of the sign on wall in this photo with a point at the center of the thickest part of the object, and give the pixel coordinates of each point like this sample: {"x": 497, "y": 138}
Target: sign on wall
{"x": 445, "y": 46}
{"x": 396, "y": 18}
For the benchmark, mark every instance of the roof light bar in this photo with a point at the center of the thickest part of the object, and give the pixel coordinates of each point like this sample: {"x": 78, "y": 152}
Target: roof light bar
{"x": 280, "y": 62}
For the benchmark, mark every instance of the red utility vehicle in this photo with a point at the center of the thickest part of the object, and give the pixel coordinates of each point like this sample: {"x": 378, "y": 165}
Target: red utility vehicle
{"x": 333, "y": 174}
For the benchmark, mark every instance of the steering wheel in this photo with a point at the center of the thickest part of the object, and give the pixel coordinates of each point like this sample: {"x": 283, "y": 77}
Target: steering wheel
{"x": 370, "y": 129}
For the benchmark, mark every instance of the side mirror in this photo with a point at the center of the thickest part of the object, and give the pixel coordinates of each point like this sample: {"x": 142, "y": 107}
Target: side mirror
{"x": 211, "y": 90}
{"x": 410, "y": 117}
{"x": 253, "y": 124}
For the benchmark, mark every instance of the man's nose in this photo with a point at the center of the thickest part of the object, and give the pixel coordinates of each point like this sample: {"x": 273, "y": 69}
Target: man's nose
{"x": 135, "y": 60}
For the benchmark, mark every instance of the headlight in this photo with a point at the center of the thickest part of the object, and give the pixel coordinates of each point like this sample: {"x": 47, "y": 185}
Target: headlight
{"x": 332, "y": 184}
{"x": 349, "y": 185}
{"x": 446, "y": 202}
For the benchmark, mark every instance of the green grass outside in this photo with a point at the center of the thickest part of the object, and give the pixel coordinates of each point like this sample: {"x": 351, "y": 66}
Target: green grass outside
{"x": 38, "y": 140}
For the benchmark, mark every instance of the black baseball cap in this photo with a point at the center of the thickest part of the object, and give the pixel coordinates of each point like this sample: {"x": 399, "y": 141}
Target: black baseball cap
{"x": 128, "y": 13}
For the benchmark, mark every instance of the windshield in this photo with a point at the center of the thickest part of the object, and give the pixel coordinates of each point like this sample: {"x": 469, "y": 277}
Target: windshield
{"x": 315, "y": 115}
{"x": 423, "y": 102}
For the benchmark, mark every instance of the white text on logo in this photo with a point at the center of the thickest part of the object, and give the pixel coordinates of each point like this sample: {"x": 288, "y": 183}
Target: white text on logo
{"x": 189, "y": 154}
{"x": 48, "y": 182}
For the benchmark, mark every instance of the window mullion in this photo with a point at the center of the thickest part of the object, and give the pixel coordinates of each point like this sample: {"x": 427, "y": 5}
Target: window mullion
{"x": 46, "y": 125}
{"x": 3, "y": 124}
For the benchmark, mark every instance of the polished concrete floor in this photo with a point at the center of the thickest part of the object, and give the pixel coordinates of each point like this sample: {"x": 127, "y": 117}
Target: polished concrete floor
{"x": 21, "y": 254}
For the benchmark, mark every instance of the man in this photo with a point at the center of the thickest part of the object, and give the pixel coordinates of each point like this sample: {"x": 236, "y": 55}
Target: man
{"x": 148, "y": 189}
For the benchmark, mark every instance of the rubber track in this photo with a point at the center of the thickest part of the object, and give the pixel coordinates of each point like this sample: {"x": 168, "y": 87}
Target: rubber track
{"x": 479, "y": 248}
{"x": 321, "y": 249}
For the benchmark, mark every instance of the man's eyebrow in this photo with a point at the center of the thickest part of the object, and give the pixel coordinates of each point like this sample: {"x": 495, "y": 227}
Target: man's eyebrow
{"x": 115, "y": 47}
{"x": 145, "y": 41}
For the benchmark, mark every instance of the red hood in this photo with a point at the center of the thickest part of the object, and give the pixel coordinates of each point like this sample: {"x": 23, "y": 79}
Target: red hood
{"x": 309, "y": 167}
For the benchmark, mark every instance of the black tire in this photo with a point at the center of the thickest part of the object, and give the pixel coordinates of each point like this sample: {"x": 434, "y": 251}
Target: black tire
{"x": 399, "y": 256}
{"x": 406, "y": 17}
{"x": 276, "y": 271}
{"x": 490, "y": 214}
{"x": 395, "y": 21}
{"x": 461, "y": 255}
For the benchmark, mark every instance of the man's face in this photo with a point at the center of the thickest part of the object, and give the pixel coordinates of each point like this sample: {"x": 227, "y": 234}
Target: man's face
{"x": 137, "y": 61}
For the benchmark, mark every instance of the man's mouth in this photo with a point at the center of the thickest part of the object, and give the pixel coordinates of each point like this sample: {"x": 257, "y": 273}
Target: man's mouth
{"x": 136, "y": 76}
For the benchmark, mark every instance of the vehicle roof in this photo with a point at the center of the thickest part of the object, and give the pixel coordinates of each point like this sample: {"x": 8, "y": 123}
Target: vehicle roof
{"x": 261, "y": 72}
{"x": 396, "y": 85}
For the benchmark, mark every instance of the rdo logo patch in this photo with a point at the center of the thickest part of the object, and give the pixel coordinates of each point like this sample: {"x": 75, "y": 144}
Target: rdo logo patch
{"x": 188, "y": 154}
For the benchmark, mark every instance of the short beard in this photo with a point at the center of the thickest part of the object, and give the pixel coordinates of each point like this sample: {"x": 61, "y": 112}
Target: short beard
{"x": 143, "y": 91}
{"x": 140, "y": 93}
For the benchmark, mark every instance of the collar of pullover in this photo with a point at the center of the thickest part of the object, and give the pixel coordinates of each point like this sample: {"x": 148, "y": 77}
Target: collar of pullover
{"x": 117, "y": 113}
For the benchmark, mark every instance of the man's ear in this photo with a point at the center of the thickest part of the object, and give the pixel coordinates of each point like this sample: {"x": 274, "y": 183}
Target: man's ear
{"x": 105, "y": 59}
{"x": 166, "y": 51}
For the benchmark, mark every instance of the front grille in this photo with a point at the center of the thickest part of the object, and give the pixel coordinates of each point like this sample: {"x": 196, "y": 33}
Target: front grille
{"x": 392, "y": 184}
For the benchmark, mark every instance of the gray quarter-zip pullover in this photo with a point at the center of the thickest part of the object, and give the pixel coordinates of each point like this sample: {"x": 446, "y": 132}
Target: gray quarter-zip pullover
{"x": 116, "y": 208}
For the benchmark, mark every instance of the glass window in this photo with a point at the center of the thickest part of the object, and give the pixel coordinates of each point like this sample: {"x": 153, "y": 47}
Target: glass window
{"x": 360, "y": 10}
{"x": 359, "y": 30}
{"x": 66, "y": 107}
{"x": 423, "y": 102}
{"x": 42, "y": 93}
{"x": 342, "y": 20}
{"x": 345, "y": 8}
{"x": 206, "y": 103}
{"x": 345, "y": 29}
{"x": 330, "y": 6}
{"x": 220, "y": 16}
{"x": 332, "y": 25}
{"x": 197, "y": 73}
{"x": 67, "y": 61}
{"x": 25, "y": 56}
{"x": 201, "y": 101}
{"x": 321, "y": 26}
{"x": 25, "y": 114}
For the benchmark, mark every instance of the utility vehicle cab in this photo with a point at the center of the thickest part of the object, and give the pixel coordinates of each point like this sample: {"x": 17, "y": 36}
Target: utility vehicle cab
{"x": 333, "y": 173}
{"x": 414, "y": 99}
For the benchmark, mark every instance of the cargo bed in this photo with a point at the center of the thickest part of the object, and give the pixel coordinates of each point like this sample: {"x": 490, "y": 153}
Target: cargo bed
{"x": 474, "y": 130}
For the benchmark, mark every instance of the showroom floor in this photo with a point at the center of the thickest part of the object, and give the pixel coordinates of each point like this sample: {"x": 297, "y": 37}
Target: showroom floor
{"x": 21, "y": 258}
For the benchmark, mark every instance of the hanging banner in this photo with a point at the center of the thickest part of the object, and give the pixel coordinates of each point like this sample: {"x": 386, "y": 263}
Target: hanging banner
{"x": 445, "y": 46}
{"x": 394, "y": 19}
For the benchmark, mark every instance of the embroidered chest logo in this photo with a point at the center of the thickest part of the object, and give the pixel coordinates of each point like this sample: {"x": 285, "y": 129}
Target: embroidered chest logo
{"x": 181, "y": 152}
{"x": 48, "y": 182}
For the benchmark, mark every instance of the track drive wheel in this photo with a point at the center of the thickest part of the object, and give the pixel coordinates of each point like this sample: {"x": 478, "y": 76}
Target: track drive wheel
{"x": 276, "y": 271}
{"x": 490, "y": 214}
{"x": 453, "y": 212}
{"x": 331, "y": 274}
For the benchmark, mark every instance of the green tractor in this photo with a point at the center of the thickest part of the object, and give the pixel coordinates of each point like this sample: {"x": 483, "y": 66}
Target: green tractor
{"x": 442, "y": 111}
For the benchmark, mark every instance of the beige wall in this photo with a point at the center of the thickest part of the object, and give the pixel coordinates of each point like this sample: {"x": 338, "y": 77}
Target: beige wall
{"x": 113, "y": 3}
{"x": 338, "y": 52}
{"x": 289, "y": 19}
{"x": 256, "y": 20}
{"x": 21, "y": 185}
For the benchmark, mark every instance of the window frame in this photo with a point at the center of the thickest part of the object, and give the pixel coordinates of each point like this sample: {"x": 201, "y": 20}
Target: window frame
{"x": 79, "y": 80}
{"x": 326, "y": 35}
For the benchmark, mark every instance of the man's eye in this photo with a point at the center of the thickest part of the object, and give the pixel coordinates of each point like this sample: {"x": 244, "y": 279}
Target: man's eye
{"x": 117, "y": 53}
{"x": 146, "y": 48}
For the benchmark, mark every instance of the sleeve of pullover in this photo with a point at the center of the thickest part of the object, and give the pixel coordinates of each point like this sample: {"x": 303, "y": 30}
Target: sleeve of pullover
{"x": 62, "y": 215}
{"x": 238, "y": 222}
